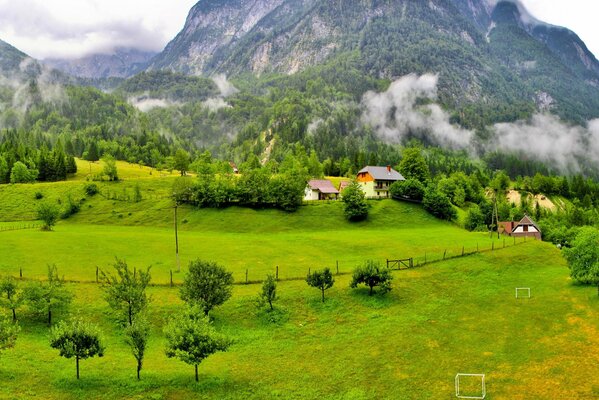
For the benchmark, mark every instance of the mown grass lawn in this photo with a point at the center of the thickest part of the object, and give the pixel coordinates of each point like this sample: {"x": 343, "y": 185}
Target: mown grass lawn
{"x": 449, "y": 317}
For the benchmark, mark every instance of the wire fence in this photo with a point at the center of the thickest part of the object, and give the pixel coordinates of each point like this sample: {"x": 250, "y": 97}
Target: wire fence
{"x": 338, "y": 267}
{"x": 19, "y": 227}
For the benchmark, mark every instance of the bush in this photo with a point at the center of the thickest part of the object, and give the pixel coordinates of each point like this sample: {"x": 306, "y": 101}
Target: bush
{"x": 372, "y": 274}
{"x": 410, "y": 189}
{"x": 71, "y": 207}
{"x": 438, "y": 204}
{"x": 91, "y": 189}
{"x": 48, "y": 214}
{"x": 39, "y": 195}
{"x": 475, "y": 220}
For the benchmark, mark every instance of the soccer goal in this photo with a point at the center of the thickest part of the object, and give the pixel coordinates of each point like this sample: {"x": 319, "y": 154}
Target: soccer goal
{"x": 468, "y": 386}
{"x": 523, "y": 293}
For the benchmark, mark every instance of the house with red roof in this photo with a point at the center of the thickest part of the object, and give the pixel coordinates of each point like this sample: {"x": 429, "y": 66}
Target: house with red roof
{"x": 320, "y": 189}
{"x": 375, "y": 181}
{"x": 526, "y": 227}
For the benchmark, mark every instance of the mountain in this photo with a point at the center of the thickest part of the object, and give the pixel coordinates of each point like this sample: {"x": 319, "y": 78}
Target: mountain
{"x": 487, "y": 54}
{"x": 123, "y": 63}
{"x": 10, "y": 58}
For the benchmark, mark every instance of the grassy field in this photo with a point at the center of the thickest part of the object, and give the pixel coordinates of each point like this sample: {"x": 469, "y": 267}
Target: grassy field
{"x": 458, "y": 315}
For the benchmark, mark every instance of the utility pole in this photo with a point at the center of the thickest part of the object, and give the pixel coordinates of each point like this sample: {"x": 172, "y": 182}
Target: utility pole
{"x": 177, "y": 240}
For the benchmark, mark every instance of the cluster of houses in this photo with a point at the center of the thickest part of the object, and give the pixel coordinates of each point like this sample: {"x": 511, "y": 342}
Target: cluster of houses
{"x": 374, "y": 181}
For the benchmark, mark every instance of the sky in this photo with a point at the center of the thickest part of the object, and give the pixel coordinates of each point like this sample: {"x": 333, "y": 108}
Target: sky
{"x": 75, "y": 28}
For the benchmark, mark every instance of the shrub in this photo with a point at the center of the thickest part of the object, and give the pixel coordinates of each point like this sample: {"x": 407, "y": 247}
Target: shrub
{"x": 48, "y": 214}
{"x": 91, "y": 189}
{"x": 438, "y": 204}
{"x": 354, "y": 202}
{"x": 39, "y": 195}
{"x": 410, "y": 189}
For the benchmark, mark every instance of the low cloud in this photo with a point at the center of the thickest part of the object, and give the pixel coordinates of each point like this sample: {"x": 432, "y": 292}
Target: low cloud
{"x": 226, "y": 88}
{"x": 216, "y": 104}
{"x": 145, "y": 103}
{"x": 397, "y": 113}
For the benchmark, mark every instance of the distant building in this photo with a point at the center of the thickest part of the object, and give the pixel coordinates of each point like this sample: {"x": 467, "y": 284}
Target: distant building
{"x": 343, "y": 185}
{"x": 526, "y": 227}
{"x": 375, "y": 181}
{"x": 320, "y": 189}
{"x": 234, "y": 167}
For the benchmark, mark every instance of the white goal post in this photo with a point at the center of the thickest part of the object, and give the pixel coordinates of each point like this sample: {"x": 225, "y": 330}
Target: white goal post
{"x": 482, "y": 383}
{"x": 523, "y": 292}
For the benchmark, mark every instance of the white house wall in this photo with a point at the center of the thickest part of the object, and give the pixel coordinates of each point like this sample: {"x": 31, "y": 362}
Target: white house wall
{"x": 520, "y": 229}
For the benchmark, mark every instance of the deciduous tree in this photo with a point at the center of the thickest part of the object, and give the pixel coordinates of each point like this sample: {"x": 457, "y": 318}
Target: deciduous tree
{"x": 322, "y": 280}
{"x": 372, "y": 274}
{"x": 45, "y": 297}
{"x": 191, "y": 338}
{"x": 77, "y": 339}
{"x": 206, "y": 285}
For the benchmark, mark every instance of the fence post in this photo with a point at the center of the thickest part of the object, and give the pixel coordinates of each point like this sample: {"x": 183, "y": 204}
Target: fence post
{"x": 97, "y": 273}
{"x": 504, "y": 243}
{"x": 171, "y": 278}
{"x": 337, "y": 267}
{"x": 444, "y": 253}
{"x": 462, "y": 251}
{"x": 277, "y": 273}
{"x": 246, "y": 276}
{"x": 492, "y": 246}
{"x": 411, "y": 262}
{"x": 20, "y": 272}
{"x": 387, "y": 263}
{"x": 309, "y": 271}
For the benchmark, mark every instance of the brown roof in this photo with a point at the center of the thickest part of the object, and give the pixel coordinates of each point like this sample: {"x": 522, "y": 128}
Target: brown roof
{"x": 323, "y": 186}
{"x": 343, "y": 185}
{"x": 527, "y": 221}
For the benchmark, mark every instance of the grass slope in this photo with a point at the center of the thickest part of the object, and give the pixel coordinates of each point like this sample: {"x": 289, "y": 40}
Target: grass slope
{"x": 455, "y": 316}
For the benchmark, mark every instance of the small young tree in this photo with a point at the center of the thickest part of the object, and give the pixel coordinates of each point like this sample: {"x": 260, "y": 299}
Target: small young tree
{"x": 372, "y": 274}
{"x": 44, "y": 297}
{"x": 269, "y": 290}
{"x": 322, "y": 280}
{"x": 181, "y": 161}
{"x": 206, "y": 285}
{"x": 77, "y": 339}
{"x": 136, "y": 337}
{"x": 355, "y": 205}
{"x": 48, "y": 213}
{"x": 125, "y": 292}
{"x": 11, "y": 296}
{"x": 8, "y": 333}
{"x": 110, "y": 169}
{"x": 191, "y": 338}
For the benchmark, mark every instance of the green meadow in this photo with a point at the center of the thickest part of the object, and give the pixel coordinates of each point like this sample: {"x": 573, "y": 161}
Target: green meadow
{"x": 458, "y": 315}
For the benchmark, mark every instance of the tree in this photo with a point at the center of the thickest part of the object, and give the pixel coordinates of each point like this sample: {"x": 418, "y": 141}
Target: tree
{"x": 269, "y": 290}
{"x": 110, "y": 169}
{"x": 44, "y": 297}
{"x": 191, "y": 338}
{"x": 8, "y": 333}
{"x": 206, "y": 285}
{"x": 125, "y": 292}
{"x": 21, "y": 174}
{"x": 372, "y": 274}
{"x": 92, "y": 152}
{"x": 583, "y": 256}
{"x": 413, "y": 165}
{"x": 48, "y": 213}
{"x": 77, "y": 339}
{"x": 136, "y": 337}
{"x": 322, "y": 280}
{"x": 355, "y": 205}
{"x": 181, "y": 161}
{"x": 438, "y": 204}
{"x": 11, "y": 297}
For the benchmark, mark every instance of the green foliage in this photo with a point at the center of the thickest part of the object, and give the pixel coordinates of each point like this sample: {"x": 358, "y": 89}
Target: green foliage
{"x": 322, "y": 280}
{"x": 125, "y": 292}
{"x": 11, "y": 296}
{"x": 181, "y": 161}
{"x": 269, "y": 291}
{"x": 583, "y": 256}
{"x": 8, "y": 333}
{"x": 136, "y": 337}
{"x": 413, "y": 165}
{"x": 355, "y": 206}
{"x": 438, "y": 204}
{"x": 48, "y": 213}
{"x": 191, "y": 338}
{"x": 71, "y": 207}
{"x": 48, "y": 296}
{"x": 372, "y": 274}
{"x": 110, "y": 169}
{"x": 91, "y": 189}
{"x": 21, "y": 174}
{"x": 206, "y": 285}
{"x": 411, "y": 189}
{"x": 78, "y": 339}
{"x": 475, "y": 219}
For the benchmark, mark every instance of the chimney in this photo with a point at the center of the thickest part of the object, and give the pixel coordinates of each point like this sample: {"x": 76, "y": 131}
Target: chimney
{"x": 388, "y": 168}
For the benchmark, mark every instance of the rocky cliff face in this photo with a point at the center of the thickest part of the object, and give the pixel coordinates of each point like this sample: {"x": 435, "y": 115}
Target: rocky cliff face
{"x": 123, "y": 63}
